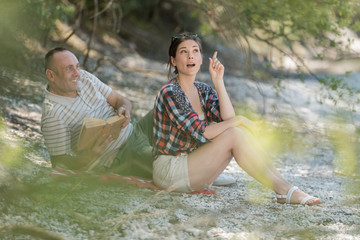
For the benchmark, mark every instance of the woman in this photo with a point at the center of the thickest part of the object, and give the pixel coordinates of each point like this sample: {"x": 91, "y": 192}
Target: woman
{"x": 196, "y": 132}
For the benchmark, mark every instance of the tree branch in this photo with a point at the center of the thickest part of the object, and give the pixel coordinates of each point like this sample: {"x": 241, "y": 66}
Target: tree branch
{"x": 96, "y": 9}
{"x": 104, "y": 10}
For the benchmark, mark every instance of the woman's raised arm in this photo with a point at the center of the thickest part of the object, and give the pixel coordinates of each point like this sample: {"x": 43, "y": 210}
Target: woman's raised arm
{"x": 216, "y": 70}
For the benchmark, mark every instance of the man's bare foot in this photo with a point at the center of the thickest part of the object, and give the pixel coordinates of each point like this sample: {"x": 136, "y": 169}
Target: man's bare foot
{"x": 296, "y": 196}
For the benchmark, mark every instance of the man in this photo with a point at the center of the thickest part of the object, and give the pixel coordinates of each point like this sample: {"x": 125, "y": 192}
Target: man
{"x": 73, "y": 94}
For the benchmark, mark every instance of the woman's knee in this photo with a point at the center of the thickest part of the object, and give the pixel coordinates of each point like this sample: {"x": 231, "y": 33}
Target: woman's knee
{"x": 234, "y": 135}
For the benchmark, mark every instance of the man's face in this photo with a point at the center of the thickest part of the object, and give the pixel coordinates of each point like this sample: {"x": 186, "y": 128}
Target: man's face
{"x": 64, "y": 74}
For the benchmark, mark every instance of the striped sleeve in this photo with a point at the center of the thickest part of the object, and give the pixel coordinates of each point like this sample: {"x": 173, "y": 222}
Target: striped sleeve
{"x": 104, "y": 89}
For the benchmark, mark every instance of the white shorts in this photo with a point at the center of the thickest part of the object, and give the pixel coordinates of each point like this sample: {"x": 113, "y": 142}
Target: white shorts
{"x": 171, "y": 173}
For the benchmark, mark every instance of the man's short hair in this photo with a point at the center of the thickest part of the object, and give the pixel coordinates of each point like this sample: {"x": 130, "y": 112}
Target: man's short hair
{"x": 50, "y": 54}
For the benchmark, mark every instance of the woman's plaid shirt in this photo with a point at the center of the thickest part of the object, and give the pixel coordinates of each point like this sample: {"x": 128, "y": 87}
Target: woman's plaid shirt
{"x": 177, "y": 127}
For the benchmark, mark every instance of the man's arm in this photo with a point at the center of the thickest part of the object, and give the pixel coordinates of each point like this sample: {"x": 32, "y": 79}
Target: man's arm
{"x": 121, "y": 105}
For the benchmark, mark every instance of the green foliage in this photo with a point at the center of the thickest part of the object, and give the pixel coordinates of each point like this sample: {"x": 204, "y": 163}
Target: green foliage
{"x": 345, "y": 143}
{"x": 337, "y": 89}
{"x": 278, "y": 25}
{"x": 282, "y": 22}
{"x": 24, "y": 21}
{"x": 285, "y": 19}
{"x": 171, "y": 16}
{"x": 42, "y": 14}
{"x": 11, "y": 153}
{"x": 139, "y": 8}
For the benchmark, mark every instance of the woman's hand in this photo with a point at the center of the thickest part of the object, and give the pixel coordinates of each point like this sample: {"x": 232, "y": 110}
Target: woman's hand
{"x": 216, "y": 70}
{"x": 243, "y": 121}
{"x": 253, "y": 127}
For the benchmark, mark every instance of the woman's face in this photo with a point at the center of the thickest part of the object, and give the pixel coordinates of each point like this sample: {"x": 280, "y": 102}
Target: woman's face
{"x": 188, "y": 58}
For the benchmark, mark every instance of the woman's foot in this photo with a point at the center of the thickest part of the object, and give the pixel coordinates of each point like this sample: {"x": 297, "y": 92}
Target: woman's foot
{"x": 296, "y": 196}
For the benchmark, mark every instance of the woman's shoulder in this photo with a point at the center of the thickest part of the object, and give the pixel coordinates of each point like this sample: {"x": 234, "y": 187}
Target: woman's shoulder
{"x": 170, "y": 86}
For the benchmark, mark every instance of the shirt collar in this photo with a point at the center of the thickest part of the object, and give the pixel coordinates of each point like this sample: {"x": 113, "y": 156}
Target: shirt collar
{"x": 59, "y": 99}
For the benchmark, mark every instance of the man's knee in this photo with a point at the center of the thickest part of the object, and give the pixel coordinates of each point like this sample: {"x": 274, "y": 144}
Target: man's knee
{"x": 146, "y": 125}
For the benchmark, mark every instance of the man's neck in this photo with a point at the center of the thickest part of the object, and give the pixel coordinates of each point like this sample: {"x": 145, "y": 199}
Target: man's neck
{"x": 72, "y": 94}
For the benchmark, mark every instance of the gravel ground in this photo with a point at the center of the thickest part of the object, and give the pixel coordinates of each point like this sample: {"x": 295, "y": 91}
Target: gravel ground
{"x": 34, "y": 206}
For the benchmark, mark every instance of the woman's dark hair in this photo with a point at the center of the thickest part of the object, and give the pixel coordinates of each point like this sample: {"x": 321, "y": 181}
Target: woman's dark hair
{"x": 175, "y": 42}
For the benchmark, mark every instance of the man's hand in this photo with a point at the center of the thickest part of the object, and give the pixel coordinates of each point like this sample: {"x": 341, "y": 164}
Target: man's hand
{"x": 124, "y": 112}
{"x": 103, "y": 141}
{"x": 121, "y": 105}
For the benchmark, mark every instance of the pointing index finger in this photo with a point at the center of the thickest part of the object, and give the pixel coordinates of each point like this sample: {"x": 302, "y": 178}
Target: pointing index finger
{"x": 214, "y": 55}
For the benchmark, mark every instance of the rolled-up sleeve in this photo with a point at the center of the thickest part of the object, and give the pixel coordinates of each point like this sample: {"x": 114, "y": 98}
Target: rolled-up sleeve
{"x": 212, "y": 106}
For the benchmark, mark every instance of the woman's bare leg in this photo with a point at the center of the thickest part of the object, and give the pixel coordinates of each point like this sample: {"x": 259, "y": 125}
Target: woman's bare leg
{"x": 208, "y": 161}
{"x": 262, "y": 155}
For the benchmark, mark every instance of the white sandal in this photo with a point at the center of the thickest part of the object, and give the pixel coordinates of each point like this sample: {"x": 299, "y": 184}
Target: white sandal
{"x": 289, "y": 194}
